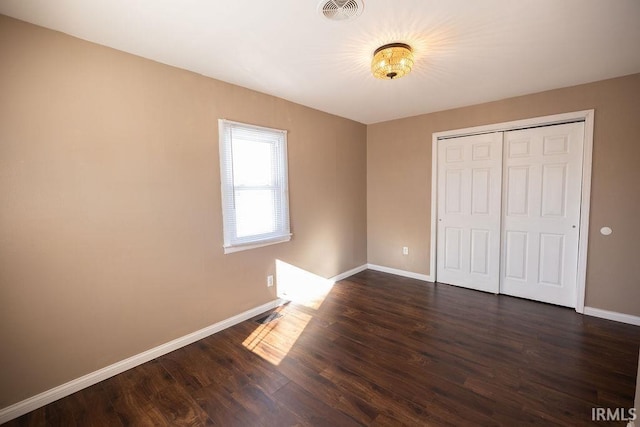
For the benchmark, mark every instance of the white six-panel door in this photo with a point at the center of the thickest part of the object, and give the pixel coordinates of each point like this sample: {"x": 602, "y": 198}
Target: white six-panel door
{"x": 469, "y": 191}
{"x": 509, "y": 212}
{"x": 541, "y": 212}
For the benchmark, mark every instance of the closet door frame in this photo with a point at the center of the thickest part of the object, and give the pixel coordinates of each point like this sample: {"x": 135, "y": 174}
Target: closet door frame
{"x": 586, "y": 116}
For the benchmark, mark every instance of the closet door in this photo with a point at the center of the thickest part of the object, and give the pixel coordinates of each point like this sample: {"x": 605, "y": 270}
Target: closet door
{"x": 468, "y": 235}
{"x": 541, "y": 203}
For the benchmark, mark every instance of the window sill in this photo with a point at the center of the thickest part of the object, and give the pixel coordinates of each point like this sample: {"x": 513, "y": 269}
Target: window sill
{"x": 258, "y": 244}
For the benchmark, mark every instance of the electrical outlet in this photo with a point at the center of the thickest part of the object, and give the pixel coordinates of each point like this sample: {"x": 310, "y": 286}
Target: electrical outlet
{"x": 405, "y": 250}
{"x": 269, "y": 281}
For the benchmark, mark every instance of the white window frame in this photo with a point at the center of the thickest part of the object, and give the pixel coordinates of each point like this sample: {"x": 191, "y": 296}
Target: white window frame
{"x": 280, "y": 184}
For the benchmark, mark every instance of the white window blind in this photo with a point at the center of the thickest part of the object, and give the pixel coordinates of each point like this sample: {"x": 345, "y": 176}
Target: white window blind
{"x": 255, "y": 197}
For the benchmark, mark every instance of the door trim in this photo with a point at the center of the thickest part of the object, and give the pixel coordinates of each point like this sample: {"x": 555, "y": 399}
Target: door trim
{"x": 587, "y": 116}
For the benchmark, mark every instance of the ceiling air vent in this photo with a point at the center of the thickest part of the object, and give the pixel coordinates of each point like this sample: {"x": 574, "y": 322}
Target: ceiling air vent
{"x": 340, "y": 10}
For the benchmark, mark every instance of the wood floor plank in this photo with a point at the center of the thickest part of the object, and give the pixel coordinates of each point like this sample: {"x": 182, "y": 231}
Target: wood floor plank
{"x": 329, "y": 392}
{"x": 311, "y": 409}
{"x": 379, "y": 350}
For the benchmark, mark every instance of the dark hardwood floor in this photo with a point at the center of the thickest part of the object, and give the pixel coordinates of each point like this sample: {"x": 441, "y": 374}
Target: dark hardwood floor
{"x": 380, "y": 350}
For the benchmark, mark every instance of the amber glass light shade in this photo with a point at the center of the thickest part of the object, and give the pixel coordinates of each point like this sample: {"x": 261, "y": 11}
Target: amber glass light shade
{"x": 392, "y": 61}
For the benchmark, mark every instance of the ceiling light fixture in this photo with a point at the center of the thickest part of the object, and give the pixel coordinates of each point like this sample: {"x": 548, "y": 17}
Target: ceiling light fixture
{"x": 392, "y": 61}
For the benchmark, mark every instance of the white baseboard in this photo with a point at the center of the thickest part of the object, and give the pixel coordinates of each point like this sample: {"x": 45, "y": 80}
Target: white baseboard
{"x": 612, "y": 315}
{"x": 348, "y": 273}
{"x": 39, "y": 400}
{"x": 397, "y": 272}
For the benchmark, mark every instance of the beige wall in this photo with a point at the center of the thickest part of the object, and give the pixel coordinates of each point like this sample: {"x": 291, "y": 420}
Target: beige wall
{"x": 110, "y": 221}
{"x": 399, "y": 182}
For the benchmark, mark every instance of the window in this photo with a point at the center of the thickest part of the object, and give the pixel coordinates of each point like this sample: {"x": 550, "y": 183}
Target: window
{"x": 255, "y": 197}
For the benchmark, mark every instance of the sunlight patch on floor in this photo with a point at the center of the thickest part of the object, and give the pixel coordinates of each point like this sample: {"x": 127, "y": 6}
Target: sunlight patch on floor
{"x": 301, "y": 286}
{"x": 273, "y": 341}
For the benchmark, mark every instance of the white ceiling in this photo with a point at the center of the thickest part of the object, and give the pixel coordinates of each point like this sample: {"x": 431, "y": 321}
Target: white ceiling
{"x": 467, "y": 51}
